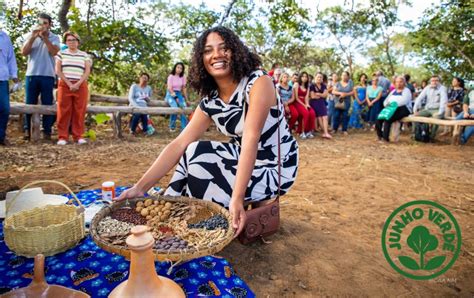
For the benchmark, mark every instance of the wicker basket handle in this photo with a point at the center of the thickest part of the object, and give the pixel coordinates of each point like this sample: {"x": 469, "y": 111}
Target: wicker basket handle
{"x": 81, "y": 207}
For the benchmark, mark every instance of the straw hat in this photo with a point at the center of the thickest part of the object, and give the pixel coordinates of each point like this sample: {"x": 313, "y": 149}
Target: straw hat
{"x": 30, "y": 198}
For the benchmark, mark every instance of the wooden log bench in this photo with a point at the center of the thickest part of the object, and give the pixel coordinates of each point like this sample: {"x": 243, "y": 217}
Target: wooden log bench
{"x": 116, "y": 111}
{"x": 457, "y": 124}
{"x": 122, "y": 100}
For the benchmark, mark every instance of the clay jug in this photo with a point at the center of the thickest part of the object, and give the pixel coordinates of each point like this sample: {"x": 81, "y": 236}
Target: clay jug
{"x": 143, "y": 280}
{"x": 39, "y": 288}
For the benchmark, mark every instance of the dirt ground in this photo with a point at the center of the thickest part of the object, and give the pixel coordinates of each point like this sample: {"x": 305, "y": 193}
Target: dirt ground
{"x": 332, "y": 218}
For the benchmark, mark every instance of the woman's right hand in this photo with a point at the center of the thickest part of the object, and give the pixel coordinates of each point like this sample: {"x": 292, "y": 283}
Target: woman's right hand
{"x": 130, "y": 193}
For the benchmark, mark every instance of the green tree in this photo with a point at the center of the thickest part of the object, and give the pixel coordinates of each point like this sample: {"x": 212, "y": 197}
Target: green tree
{"x": 120, "y": 48}
{"x": 445, "y": 38}
{"x": 348, "y": 27}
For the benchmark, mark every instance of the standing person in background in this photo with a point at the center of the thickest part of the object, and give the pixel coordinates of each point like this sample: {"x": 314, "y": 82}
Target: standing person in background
{"x": 286, "y": 91}
{"x": 343, "y": 91}
{"x": 402, "y": 96}
{"x": 360, "y": 92}
{"x": 325, "y": 80}
{"x": 139, "y": 96}
{"x": 272, "y": 71}
{"x": 176, "y": 94}
{"x": 373, "y": 97}
{"x": 294, "y": 79}
{"x": 424, "y": 83}
{"x": 41, "y": 46}
{"x": 276, "y": 76}
{"x": 409, "y": 85}
{"x": 73, "y": 68}
{"x": 8, "y": 70}
{"x": 306, "y": 116}
{"x": 385, "y": 84}
{"x": 331, "y": 98}
{"x": 317, "y": 99}
{"x": 436, "y": 97}
{"x": 392, "y": 84}
{"x": 417, "y": 89}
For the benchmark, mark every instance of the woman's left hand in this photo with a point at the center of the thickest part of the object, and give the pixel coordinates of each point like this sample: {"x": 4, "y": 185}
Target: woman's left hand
{"x": 237, "y": 211}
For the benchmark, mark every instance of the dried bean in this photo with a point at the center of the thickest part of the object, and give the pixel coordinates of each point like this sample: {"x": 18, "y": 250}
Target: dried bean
{"x": 215, "y": 222}
{"x": 128, "y": 215}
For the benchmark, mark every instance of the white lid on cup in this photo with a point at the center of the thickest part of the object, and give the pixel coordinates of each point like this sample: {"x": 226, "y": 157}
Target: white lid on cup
{"x": 108, "y": 184}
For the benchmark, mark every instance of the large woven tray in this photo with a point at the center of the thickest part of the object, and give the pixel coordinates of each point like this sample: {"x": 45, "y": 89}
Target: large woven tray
{"x": 162, "y": 255}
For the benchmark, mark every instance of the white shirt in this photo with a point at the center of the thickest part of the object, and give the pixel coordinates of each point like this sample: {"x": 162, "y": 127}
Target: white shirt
{"x": 402, "y": 99}
{"x": 436, "y": 98}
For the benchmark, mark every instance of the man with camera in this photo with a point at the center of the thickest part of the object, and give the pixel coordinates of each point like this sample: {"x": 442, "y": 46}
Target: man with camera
{"x": 41, "y": 46}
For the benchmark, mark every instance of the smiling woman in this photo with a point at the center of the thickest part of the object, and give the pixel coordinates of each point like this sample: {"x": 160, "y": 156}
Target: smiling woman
{"x": 240, "y": 100}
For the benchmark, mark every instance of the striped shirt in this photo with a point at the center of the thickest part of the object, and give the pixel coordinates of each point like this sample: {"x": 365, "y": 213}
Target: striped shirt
{"x": 73, "y": 65}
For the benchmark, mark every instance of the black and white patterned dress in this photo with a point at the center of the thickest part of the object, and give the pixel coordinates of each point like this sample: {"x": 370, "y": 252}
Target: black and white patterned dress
{"x": 207, "y": 169}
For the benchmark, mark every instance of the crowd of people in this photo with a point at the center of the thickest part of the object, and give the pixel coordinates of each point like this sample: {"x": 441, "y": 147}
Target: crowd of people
{"x": 65, "y": 67}
{"x": 328, "y": 104}
{"x": 320, "y": 104}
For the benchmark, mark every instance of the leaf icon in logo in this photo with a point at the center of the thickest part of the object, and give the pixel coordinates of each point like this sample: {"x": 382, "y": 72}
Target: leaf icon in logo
{"x": 421, "y": 241}
{"x": 435, "y": 262}
{"x": 409, "y": 263}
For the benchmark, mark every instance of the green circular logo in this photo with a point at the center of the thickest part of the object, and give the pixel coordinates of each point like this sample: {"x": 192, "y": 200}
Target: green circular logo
{"x": 421, "y": 240}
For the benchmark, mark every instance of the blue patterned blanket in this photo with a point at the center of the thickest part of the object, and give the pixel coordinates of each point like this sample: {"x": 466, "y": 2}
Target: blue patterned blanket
{"x": 92, "y": 270}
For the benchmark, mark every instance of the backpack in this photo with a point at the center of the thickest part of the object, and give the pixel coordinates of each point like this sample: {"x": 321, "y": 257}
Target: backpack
{"x": 422, "y": 132}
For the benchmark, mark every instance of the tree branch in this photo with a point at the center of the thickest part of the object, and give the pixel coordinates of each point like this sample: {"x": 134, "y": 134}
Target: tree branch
{"x": 446, "y": 42}
{"x": 227, "y": 12}
{"x": 20, "y": 10}
{"x": 88, "y": 20}
{"x": 62, "y": 15}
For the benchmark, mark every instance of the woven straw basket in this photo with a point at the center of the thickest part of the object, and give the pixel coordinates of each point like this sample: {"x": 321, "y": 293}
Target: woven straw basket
{"x": 44, "y": 230}
{"x": 163, "y": 255}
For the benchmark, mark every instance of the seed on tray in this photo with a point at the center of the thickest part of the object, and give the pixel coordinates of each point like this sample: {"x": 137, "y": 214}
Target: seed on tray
{"x": 215, "y": 222}
{"x": 128, "y": 215}
{"x": 171, "y": 243}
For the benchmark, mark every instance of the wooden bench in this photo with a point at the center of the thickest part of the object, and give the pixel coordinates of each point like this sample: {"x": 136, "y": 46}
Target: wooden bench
{"x": 157, "y": 107}
{"x": 122, "y": 100}
{"x": 457, "y": 124}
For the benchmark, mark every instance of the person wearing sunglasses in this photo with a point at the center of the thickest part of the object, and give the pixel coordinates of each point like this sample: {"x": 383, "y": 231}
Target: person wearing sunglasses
{"x": 40, "y": 47}
{"x": 73, "y": 68}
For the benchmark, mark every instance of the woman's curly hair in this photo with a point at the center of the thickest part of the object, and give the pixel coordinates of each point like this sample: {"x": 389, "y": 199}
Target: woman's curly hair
{"x": 242, "y": 63}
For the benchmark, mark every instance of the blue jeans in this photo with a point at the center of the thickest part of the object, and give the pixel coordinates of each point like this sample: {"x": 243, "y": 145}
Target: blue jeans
{"x": 331, "y": 112}
{"x": 135, "y": 119}
{"x": 34, "y": 87}
{"x": 341, "y": 115}
{"x": 355, "y": 119}
{"x": 468, "y": 130}
{"x": 175, "y": 103}
{"x": 4, "y": 108}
